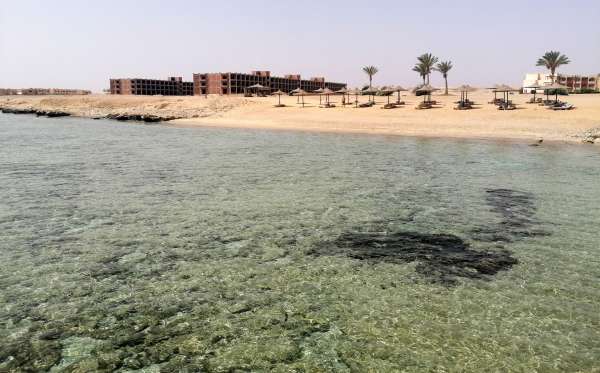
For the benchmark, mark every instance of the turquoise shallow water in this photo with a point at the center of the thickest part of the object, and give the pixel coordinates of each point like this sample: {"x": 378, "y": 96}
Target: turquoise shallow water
{"x": 132, "y": 247}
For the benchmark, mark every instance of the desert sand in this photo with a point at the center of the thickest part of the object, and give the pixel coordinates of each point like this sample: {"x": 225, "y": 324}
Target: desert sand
{"x": 530, "y": 122}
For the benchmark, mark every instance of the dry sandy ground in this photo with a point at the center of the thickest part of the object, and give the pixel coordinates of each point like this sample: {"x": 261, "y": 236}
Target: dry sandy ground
{"x": 103, "y": 105}
{"x": 529, "y": 123}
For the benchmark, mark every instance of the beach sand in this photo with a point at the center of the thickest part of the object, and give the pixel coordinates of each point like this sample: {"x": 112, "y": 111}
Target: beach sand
{"x": 529, "y": 122}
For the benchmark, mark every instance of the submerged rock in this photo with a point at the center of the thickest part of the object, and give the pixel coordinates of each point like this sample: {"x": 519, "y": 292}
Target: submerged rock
{"x": 148, "y": 118}
{"x": 52, "y": 114}
{"x": 18, "y": 111}
{"x": 56, "y": 114}
{"x": 441, "y": 257}
{"x": 517, "y": 210}
{"x": 39, "y": 113}
{"x": 446, "y": 257}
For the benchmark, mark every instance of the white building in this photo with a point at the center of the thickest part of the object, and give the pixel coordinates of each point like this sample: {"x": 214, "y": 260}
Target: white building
{"x": 572, "y": 82}
{"x": 533, "y": 79}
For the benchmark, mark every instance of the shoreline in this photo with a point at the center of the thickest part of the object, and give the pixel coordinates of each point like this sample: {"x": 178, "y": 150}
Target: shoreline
{"x": 528, "y": 124}
{"x": 179, "y": 123}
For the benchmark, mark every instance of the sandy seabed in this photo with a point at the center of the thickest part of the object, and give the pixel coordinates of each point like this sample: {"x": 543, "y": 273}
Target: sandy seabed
{"x": 529, "y": 122}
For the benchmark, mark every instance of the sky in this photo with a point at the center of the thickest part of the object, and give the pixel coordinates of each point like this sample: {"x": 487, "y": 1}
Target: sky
{"x": 81, "y": 44}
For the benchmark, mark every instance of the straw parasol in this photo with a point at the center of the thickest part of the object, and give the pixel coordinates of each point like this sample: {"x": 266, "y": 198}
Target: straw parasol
{"x": 296, "y": 92}
{"x": 505, "y": 89}
{"x": 399, "y": 89}
{"x": 372, "y": 91}
{"x": 327, "y": 92}
{"x": 354, "y": 92}
{"x": 319, "y": 92}
{"x": 464, "y": 90}
{"x": 342, "y": 92}
{"x": 299, "y": 92}
{"x": 278, "y": 93}
{"x": 387, "y": 91}
{"x": 553, "y": 87}
{"x": 535, "y": 87}
{"x": 426, "y": 89}
{"x": 256, "y": 87}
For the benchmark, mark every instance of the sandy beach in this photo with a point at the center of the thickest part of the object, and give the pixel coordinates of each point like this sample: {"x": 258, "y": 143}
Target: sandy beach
{"x": 529, "y": 122}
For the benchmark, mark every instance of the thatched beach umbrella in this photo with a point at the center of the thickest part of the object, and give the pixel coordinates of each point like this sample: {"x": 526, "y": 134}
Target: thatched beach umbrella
{"x": 535, "y": 87}
{"x": 387, "y": 91}
{"x": 372, "y": 91}
{"x": 426, "y": 89}
{"x": 343, "y": 92}
{"x": 319, "y": 92}
{"x": 464, "y": 90}
{"x": 257, "y": 87}
{"x": 278, "y": 93}
{"x": 505, "y": 90}
{"x": 295, "y": 93}
{"x": 354, "y": 92}
{"x": 553, "y": 87}
{"x": 300, "y": 93}
{"x": 327, "y": 92}
{"x": 399, "y": 89}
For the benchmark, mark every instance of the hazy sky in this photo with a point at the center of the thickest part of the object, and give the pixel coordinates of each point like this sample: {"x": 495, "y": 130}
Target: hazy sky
{"x": 80, "y": 44}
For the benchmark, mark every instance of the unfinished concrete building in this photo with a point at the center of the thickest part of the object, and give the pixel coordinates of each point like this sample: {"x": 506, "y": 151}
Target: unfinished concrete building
{"x": 237, "y": 83}
{"x": 174, "y": 86}
{"x": 43, "y": 91}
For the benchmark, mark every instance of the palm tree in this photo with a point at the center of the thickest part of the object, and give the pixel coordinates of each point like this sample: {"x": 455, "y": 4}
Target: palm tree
{"x": 552, "y": 60}
{"x": 444, "y": 67}
{"x": 370, "y": 71}
{"x": 420, "y": 68}
{"x": 427, "y": 62}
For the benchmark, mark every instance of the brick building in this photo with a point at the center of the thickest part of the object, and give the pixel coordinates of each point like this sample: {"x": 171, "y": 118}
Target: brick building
{"x": 236, "y": 83}
{"x": 577, "y": 82}
{"x": 174, "y": 86}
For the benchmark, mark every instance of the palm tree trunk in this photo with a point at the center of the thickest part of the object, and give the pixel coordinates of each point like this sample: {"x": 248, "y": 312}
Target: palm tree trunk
{"x": 370, "y": 81}
{"x": 446, "y": 80}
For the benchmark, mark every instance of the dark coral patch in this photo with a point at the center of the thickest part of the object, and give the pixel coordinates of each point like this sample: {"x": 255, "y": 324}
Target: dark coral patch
{"x": 441, "y": 257}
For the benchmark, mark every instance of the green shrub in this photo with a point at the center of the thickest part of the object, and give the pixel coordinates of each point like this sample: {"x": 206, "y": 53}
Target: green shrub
{"x": 551, "y": 92}
{"x": 585, "y": 91}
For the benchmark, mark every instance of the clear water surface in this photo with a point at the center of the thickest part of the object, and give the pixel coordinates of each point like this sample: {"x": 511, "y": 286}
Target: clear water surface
{"x": 127, "y": 247}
